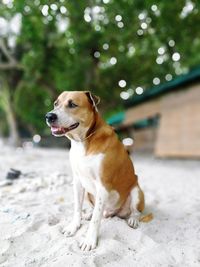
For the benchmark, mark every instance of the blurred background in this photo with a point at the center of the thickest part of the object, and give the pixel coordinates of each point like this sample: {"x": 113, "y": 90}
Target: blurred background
{"x": 141, "y": 57}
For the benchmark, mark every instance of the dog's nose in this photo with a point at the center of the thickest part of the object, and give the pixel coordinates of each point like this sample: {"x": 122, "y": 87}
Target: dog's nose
{"x": 51, "y": 117}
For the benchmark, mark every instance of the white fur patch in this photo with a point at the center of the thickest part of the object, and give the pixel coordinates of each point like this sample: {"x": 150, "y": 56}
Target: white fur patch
{"x": 63, "y": 119}
{"x": 135, "y": 197}
{"x": 85, "y": 168}
{"x": 111, "y": 204}
{"x": 133, "y": 220}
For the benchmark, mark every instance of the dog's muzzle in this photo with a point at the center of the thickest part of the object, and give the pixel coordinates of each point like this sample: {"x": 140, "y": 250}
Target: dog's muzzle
{"x": 51, "y": 119}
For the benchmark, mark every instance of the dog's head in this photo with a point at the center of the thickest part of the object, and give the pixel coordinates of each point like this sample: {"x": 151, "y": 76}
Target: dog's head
{"x": 73, "y": 112}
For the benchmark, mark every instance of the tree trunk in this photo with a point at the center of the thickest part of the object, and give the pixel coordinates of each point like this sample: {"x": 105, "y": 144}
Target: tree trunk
{"x": 14, "y": 138}
{"x": 6, "y": 104}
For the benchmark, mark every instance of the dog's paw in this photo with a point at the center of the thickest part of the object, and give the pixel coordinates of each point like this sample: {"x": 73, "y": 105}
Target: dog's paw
{"x": 133, "y": 222}
{"x": 70, "y": 230}
{"x": 88, "y": 244}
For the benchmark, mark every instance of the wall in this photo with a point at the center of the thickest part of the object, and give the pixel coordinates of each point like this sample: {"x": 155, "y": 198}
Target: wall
{"x": 179, "y": 130}
{"x": 178, "y": 133}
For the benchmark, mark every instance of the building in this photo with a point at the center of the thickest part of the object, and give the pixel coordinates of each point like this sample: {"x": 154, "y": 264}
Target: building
{"x": 165, "y": 119}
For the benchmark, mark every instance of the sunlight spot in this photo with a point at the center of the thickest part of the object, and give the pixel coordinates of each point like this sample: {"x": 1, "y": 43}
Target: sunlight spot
{"x": 122, "y": 83}
{"x": 63, "y": 10}
{"x": 142, "y": 16}
{"x": 37, "y": 2}
{"x": 148, "y": 20}
{"x": 96, "y": 9}
{"x": 97, "y": 54}
{"x": 118, "y": 17}
{"x": 178, "y": 71}
{"x": 128, "y": 141}
{"x": 87, "y": 17}
{"x": 187, "y": 9}
{"x": 45, "y": 10}
{"x": 168, "y": 77}
{"x": 159, "y": 60}
{"x": 171, "y": 43}
{"x": 70, "y": 41}
{"x": 120, "y": 24}
{"x": 113, "y": 60}
{"x": 140, "y": 32}
{"x": 105, "y": 46}
{"x": 144, "y": 25}
{"x": 124, "y": 95}
{"x": 97, "y": 28}
{"x": 161, "y": 50}
{"x": 130, "y": 91}
{"x": 62, "y": 25}
{"x": 54, "y": 7}
{"x": 154, "y": 8}
{"x": 139, "y": 90}
{"x": 176, "y": 56}
{"x": 36, "y": 138}
{"x": 8, "y": 3}
{"x": 156, "y": 81}
{"x": 27, "y": 9}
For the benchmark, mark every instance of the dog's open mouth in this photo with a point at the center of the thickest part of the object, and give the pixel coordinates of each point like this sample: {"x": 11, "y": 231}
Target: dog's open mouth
{"x": 62, "y": 130}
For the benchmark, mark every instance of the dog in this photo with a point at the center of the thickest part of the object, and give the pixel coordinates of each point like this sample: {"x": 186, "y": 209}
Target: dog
{"x": 101, "y": 166}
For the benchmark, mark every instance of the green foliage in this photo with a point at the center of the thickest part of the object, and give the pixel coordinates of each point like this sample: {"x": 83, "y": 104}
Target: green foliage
{"x": 79, "y": 57}
{"x": 31, "y": 105}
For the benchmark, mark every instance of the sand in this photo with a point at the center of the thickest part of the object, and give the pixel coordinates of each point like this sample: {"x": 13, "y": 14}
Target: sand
{"x": 35, "y": 207}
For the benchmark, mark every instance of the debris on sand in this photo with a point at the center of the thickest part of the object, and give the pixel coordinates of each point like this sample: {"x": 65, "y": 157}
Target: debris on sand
{"x": 13, "y": 174}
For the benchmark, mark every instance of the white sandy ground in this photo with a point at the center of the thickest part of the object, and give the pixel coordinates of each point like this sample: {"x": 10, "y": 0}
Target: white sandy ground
{"x": 34, "y": 209}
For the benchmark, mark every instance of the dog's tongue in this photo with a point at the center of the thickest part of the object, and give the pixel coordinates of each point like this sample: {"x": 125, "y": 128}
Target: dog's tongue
{"x": 63, "y": 130}
{"x": 57, "y": 129}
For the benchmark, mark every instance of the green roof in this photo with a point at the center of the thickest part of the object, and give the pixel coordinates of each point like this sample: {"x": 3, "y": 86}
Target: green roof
{"x": 154, "y": 92}
{"x": 164, "y": 88}
{"x": 116, "y": 118}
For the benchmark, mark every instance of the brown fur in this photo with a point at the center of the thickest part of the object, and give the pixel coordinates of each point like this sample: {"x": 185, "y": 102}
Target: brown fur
{"x": 117, "y": 172}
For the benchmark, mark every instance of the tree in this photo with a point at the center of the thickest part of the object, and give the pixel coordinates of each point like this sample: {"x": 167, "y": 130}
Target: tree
{"x": 109, "y": 47}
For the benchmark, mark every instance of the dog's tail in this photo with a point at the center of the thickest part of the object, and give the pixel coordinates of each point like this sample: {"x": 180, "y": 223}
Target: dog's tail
{"x": 146, "y": 218}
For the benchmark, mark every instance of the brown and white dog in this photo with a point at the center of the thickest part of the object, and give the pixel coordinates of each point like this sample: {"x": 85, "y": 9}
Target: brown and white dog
{"x": 100, "y": 164}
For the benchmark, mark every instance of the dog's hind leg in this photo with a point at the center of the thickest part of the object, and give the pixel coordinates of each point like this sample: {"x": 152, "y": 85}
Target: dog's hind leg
{"x": 136, "y": 207}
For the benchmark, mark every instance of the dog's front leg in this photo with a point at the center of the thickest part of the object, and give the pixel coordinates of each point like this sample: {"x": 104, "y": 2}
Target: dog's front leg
{"x": 72, "y": 228}
{"x": 90, "y": 241}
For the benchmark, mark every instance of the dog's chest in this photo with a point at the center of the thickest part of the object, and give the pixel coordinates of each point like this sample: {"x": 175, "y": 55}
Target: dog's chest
{"x": 86, "y": 167}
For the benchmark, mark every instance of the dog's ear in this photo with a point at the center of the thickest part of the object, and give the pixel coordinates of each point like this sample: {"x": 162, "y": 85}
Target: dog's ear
{"x": 93, "y": 99}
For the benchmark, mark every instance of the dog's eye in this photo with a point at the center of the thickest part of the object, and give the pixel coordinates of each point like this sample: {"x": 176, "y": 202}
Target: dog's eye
{"x": 71, "y": 104}
{"x": 55, "y": 103}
